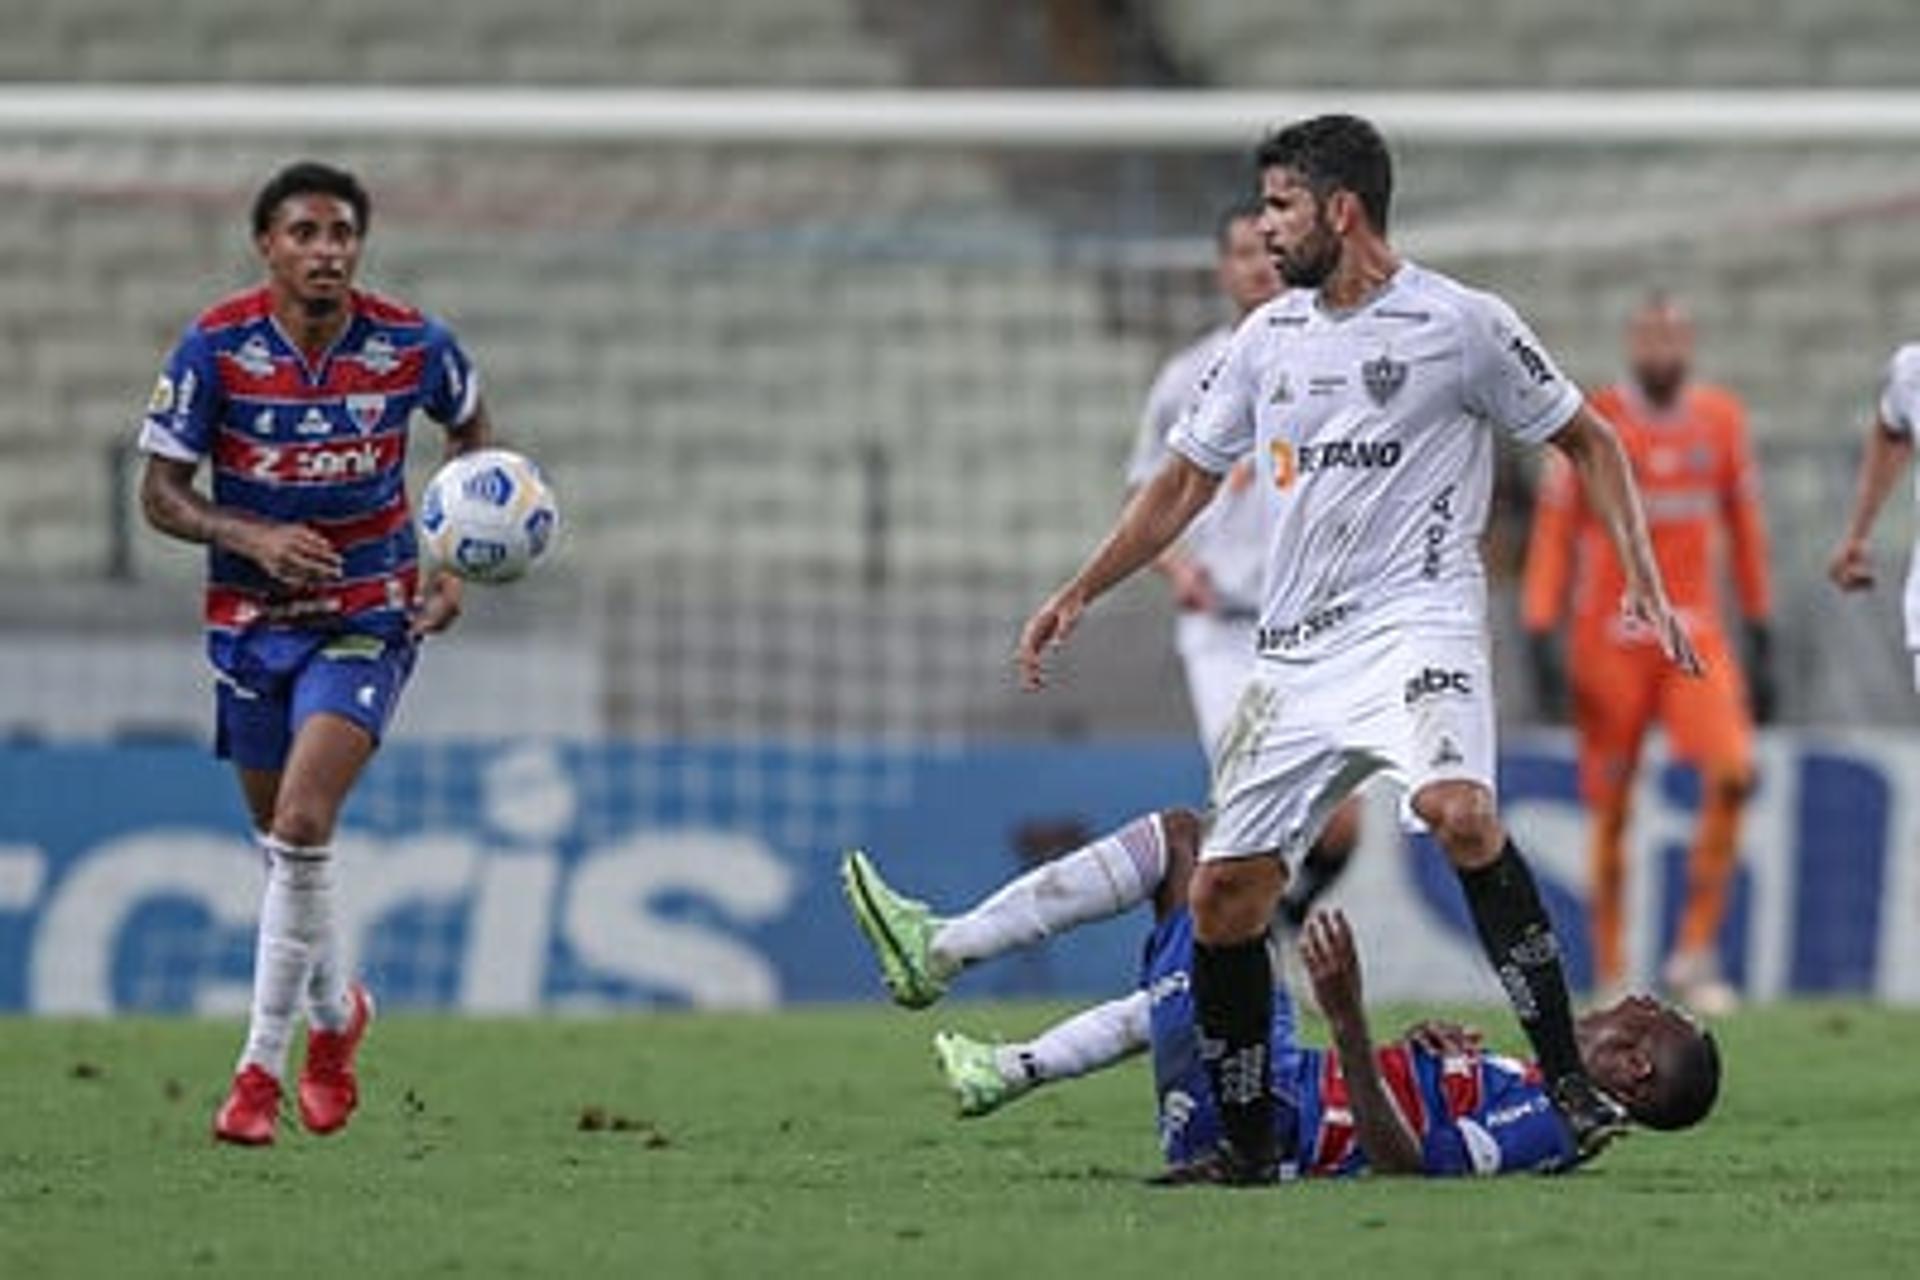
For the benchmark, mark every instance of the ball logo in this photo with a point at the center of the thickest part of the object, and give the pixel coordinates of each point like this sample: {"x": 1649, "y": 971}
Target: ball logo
{"x": 539, "y": 528}
{"x": 492, "y": 485}
{"x": 477, "y": 555}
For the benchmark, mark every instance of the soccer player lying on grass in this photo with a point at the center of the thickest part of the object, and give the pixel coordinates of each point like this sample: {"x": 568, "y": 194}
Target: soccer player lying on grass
{"x": 1433, "y": 1102}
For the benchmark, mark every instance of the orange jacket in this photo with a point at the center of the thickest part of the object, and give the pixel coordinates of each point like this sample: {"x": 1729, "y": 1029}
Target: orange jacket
{"x": 1697, "y": 480}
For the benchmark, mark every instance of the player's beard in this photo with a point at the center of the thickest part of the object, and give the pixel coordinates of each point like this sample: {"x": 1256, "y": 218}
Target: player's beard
{"x": 1308, "y": 265}
{"x": 323, "y": 307}
{"x": 1660, "y": 383}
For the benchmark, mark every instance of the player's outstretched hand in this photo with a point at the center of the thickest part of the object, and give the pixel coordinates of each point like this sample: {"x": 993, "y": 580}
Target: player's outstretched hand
{"x": 438, "y": 606}
{"x": 1851, "y": 568}
{"x": 1654, "y": 613}
{"x": 1333, "y": 965}
{"x": 1045, "y": 631}
{"x": 292, "y": 553}
{"x": 1444, "y": 1039}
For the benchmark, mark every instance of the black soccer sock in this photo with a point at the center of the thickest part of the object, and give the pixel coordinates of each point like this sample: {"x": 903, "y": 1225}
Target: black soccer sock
{"x": 1317, "y": 873}
{"x": 1233, "y": 998}
{"x": 1518, "y": 938}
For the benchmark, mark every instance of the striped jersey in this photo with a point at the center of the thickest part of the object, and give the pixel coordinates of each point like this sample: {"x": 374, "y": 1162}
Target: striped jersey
{"x": 1475, "y": 1113}
{"x": 318, "y": 441}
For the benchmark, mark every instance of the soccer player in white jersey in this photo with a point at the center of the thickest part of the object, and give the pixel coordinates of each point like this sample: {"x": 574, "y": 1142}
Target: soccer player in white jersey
{"x": 1889, "y": 451}
{"x": 1214, "y": 571}
{"x": 1368, "y": 395}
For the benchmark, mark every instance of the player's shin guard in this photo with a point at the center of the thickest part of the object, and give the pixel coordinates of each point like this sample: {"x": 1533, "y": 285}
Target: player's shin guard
{"x": 1233, "y": 998}
{"x": 1519, "y": 940}
{"x": 1102, "y": 879}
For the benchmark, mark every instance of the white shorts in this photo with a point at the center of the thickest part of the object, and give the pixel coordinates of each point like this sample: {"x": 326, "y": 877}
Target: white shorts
{"x": 1219, "y": 660}
{"x": 1416, "y": 706}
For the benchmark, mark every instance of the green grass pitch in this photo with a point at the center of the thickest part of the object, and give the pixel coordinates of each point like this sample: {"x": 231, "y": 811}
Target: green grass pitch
{"x": 820, "y": 1142}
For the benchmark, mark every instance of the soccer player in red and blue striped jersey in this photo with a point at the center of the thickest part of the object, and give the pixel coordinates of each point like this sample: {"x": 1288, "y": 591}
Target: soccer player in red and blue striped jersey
{"x": 1433, "y": 1102}
{"x": 297, "y": 395}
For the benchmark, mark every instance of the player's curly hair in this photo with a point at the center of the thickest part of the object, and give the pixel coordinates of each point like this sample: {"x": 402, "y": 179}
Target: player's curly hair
{"x": 310, "y": 178}
{"x": 1688, "y": 1083}
{"x": 1332, "y": 153}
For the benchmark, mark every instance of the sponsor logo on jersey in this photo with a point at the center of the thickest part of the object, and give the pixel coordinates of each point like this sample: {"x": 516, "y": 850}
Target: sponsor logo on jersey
{"x": 1292, "y": 636}
{"x": 313, "y": 423}
{"x": 253, "y": 357}
{"x": 161, "y": 400}
{"x": 1383, "y": 377}
{"x": 1448, "y": 755}
{"x": 1326, "y": 384}
{"x": 1530, "y": 359}
{"x": 377, "y": 354}
{"x": 183, "y": 399}
{"x": 1433, "y": 681}
{"x": 1291, "y": 461}
{"x": 1282, "y": 390}
{"x": 263, "y": 422}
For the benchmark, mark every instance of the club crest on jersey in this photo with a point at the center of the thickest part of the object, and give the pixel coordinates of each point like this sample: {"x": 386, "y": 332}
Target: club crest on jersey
{"x": 377, "y": 354}
{"x": 366, "y": 410}
{"x": 1383, "y": 377}
{"x": 254, "y": 358}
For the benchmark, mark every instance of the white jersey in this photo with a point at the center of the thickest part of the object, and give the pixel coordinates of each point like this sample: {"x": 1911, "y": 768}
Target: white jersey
{"x": 1229, "y": 538}
{"x": 1372, "y": 436}
{"x": 1900, "y": 412}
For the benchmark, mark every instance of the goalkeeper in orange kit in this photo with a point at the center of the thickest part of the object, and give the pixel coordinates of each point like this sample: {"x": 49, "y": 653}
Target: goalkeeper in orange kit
{"x": 1688, "y": 444}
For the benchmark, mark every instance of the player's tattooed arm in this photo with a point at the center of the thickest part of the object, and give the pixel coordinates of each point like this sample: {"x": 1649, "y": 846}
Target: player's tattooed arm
{"x": 1333, "y": 966}
{"x": 1158, "y": 513}
{"x": 292, "y": 553}
{"x": 1590, "y": 443}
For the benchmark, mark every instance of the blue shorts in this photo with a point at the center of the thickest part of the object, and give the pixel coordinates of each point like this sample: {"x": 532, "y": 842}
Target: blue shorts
{"x": 1189, "y": 1121}
{"x": 271, "y": 681}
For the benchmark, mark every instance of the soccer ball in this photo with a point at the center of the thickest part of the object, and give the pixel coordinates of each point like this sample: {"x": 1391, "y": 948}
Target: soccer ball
{"x": 487, "y": 516}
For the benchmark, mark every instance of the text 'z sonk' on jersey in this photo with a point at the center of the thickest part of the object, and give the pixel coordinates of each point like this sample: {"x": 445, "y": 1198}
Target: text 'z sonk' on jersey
{"x": 1371, "y": 431}
{"x": 318, "y": 441}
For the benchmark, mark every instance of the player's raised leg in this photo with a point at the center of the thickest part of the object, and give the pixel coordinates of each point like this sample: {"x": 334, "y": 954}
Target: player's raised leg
{"x": 920, "y": 952}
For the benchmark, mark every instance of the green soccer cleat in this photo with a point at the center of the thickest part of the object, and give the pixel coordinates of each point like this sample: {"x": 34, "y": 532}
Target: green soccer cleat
{"x": 899, "y": 929}
{"x": 972, "y": 1074}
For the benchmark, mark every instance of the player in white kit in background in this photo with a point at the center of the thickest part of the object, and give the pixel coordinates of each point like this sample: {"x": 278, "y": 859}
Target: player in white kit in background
{"x": 1368, "y": 395}
{"x": 1214, "y": 572}
{"x": 1888, "y": 454}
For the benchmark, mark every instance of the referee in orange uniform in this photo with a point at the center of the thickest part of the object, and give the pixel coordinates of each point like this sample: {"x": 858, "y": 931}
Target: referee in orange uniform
{"x": 1688, "y": 444}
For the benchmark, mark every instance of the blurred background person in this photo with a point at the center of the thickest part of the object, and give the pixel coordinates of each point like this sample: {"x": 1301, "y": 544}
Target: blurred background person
{"x": 1690, "y": 453}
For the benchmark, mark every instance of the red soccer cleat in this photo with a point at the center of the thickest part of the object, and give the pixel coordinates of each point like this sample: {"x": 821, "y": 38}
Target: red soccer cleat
{"x": 328, "y": 1090}
{"x": 251, "y": 1110}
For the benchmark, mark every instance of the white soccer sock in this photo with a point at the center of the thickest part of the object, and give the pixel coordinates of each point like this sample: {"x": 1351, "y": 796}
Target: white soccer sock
{"x": 1102, "y": 879}
{"x": 1089, "y": 1040}
{"x": 296, "y": 919}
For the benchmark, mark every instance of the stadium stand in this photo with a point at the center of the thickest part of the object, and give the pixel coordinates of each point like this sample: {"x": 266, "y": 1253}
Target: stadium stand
{"x": 889, "y": 384}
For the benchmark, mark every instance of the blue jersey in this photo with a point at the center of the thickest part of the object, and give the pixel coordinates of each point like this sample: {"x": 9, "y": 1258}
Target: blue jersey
{"x": 1472, "y": 1113}
{"x": 318, "y": 441}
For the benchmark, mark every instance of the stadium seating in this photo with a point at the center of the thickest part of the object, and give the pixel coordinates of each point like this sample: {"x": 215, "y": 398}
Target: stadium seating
{"x": 745, "y": 359}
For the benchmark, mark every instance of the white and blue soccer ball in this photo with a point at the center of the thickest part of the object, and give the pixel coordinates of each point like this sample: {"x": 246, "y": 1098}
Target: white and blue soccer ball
{"x": 488, "y": 516}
